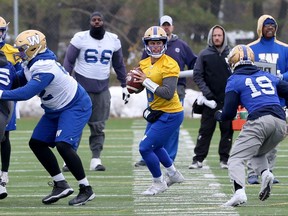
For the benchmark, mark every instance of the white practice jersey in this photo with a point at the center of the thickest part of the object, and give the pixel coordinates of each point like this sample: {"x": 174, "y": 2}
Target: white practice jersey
{"x": 94, "y": 60}
{"x": 62, "y": 88}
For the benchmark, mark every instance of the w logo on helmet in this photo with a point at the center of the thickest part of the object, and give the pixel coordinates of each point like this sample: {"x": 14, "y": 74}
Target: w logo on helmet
{"x": 34, "y": 39}
{"x": 30, "y": 43}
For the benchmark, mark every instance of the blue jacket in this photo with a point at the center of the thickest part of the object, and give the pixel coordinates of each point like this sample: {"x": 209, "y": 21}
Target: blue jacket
{"x": 271, "y": 50}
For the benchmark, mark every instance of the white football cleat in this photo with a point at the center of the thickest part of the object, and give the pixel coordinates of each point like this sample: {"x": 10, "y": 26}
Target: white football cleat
{"x": 176, "y": 178}
{"x": 266, "y": 185}
{"x": 238, "y": 198}
{"x": 156, "y": 188}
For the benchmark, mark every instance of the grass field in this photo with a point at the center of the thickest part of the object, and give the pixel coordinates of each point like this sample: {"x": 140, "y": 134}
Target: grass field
{"x": 118, "y": 188}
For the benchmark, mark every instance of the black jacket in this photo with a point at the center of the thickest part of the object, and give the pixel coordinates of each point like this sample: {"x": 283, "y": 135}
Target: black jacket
{"x": 211, "y": 70}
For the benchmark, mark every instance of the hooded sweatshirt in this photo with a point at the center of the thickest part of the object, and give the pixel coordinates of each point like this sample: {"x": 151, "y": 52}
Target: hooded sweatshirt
{"x": 270, "y": 49}
{"x": 211, "y": 70}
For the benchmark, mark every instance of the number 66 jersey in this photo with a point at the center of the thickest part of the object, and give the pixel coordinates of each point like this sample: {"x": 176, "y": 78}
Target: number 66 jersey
{"x": 92, "y": 60}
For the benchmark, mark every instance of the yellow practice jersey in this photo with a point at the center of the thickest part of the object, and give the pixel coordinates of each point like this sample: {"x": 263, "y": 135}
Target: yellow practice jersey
{"x": 10, "y": 52}
{"x": 163, "y": 68}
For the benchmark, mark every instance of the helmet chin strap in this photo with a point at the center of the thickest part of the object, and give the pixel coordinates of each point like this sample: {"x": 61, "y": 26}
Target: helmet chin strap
{"x": 156, "y": 55}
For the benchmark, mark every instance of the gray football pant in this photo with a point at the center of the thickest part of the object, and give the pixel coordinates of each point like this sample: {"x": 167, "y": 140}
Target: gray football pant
{"x": 271, "y": 157}
{"x": 100, "y": 114}
{"x": 257, "y": 138}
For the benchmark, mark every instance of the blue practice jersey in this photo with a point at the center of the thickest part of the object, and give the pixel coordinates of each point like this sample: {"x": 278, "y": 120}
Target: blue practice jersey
{"x": 7, "y": 76}
{"x": 256, "y": 90}
{"x": 46, "y": 78}
{"x": 67, "y": 106}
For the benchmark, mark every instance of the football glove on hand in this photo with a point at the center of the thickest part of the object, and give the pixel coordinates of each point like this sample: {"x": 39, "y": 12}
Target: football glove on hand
{"x": 279, "y": 75}
{"x": 218, "y": 115}
{"x": 125, "y": 95}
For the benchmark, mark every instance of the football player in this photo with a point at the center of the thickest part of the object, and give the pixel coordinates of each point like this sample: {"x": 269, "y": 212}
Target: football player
{"x": 258, "y": 92}
{"x": 165, "y": 112}
{"x": 184, "y": 56}
{"x": 91, "y": 54}
{"x": 7, "y": 76}
{"x": 10, "y": 53}
{"x": 67, "y": 108}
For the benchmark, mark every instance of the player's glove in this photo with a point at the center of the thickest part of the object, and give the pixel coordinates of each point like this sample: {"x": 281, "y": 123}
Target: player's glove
{"x": 125, "y": 95}
{"x": 218, "y": 115}
{"x": 279, "y": 75}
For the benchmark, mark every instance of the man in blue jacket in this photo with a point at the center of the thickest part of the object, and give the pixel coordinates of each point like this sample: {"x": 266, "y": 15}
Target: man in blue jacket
{"x": 268, "y": 49}
{"x": 184, "y": 56}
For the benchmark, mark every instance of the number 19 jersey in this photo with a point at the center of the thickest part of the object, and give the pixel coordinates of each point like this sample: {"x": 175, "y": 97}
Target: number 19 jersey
{"x": 255, "y": 90}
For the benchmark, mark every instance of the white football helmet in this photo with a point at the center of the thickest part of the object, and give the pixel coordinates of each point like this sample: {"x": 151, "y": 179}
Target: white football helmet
{"x": 155, "y": 33}
{"x": 30, "y": 43}
{"x": 3, "y": 28}
{"x": 240, "y": 55}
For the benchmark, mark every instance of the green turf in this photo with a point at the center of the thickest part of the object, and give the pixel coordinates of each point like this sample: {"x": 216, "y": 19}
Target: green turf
{"x": 115, "y": 188}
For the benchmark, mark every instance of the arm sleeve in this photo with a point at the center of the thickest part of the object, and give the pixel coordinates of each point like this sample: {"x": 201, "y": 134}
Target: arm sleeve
{"x": 32, "y": 88}
{"x": 168, "y": 88}
{"x": 282, "y": 89}
{"x": 119, "y": 67}
{"x": 231, "y": 104}
{"x": 70, "y": 58}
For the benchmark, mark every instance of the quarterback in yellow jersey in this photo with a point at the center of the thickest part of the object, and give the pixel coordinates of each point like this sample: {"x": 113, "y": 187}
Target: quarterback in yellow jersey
{"x": 163, "y": 68}
{"x": 159, "y": 74}
{"x": 5, "y": 147}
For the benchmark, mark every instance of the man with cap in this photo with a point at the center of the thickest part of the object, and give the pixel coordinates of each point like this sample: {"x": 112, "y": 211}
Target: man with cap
{"x": 90, "y": 55}
{"x": 184, "y": 56}
{"x": 268, "y": 49}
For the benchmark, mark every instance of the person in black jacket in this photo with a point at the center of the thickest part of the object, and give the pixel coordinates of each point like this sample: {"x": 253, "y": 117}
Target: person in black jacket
{"x": 210, "y": 74}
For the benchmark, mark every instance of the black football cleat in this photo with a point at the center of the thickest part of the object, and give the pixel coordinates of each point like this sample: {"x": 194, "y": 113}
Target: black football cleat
{"x": 85, "y": 194}
{"x": 60, "y": 190}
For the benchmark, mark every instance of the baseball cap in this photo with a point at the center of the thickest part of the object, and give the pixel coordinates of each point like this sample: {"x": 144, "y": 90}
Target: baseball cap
{"x": 166, "y": 18}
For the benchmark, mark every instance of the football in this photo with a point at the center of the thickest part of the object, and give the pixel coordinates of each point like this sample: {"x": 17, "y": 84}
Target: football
{"x": 132, "y": 86}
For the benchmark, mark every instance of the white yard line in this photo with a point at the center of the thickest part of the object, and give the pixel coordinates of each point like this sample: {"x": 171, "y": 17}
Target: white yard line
{"x": 200, "y": 189}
